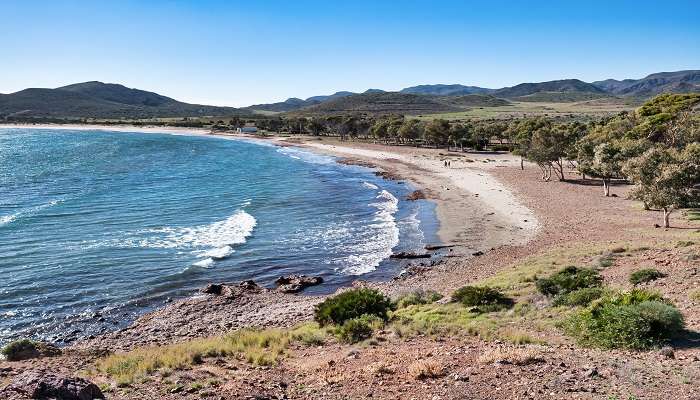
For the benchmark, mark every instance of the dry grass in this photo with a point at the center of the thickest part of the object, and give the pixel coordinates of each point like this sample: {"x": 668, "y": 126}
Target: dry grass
{"x": 426, "y": 369}
{"x": 694, "y": 295}
{"x": 258, "y": 347}
{"x": 380, "y": 368}
{"x": 512, "y": 355}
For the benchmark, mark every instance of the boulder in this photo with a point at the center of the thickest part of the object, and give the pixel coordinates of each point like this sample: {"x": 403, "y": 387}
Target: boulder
{"x": 214, "y": 288}
{"x": 49, "y": 386}
{"x": 296, "y": 283}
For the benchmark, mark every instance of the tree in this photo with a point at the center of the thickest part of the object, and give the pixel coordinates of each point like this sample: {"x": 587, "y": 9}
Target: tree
{"x": 317, "y": 126}
{"x": 437, "y": 131}
{"x": 410, "y": 130}
{"x": 379, "y": 128}
{"x": 606, "y": 164}
{"x": 666, "y": 178}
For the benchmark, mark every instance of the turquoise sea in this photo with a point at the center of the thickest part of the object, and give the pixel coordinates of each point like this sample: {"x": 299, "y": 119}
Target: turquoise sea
{"x": 97, "y": 227}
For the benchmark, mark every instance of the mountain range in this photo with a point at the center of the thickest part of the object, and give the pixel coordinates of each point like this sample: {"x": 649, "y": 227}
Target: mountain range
{"x": 566, "y": 90}
{"x": 112, "y": 101}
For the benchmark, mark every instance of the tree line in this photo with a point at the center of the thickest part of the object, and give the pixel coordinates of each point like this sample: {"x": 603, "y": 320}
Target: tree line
{"x": 656, "y": 147}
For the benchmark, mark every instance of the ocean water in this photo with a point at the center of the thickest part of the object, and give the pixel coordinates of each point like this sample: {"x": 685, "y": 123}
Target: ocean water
{"x": 98, "y": 227}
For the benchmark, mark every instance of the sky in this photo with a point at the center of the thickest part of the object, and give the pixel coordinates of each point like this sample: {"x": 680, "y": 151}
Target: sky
{"x": 238, "y": 53}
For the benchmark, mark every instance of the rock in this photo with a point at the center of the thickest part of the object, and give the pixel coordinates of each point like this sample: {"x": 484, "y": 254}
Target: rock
{"x": 416, "y": 195}
{"x": 667, "y": 352}
{"x": 249, "y": 285}
{"x": 478, "y": 253}
{"x": 590, "y": 372}
{"x": 433, "y": 247}
{"x": 213, "y": 288}
{"x": 296, "y": 283}
{"x": 406, "y": 255}
{"x": 48, "y": 386}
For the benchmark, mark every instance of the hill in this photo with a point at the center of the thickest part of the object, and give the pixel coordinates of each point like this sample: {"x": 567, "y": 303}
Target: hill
{"x": 382, "y": 103}
{"x": 651, "y": 85}
{"x": 102, "y": 101}
{"x": 476, "y": 100}
{"x": 446, "y": 90}
{"x": 559, "y": 86}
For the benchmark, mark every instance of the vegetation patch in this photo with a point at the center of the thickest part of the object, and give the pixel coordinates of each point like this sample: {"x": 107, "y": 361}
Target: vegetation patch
{"x": 352, "y": 304}
{"x": 635, "y": 320}
{"x": 579, "y": 297}
{"x": 568, "y": 280}
{"x": 645, "y": 275}
{"x": 695, "y": 295}
{"x": 25, "y": 349}
{"x": 417, "y": 297}
{"x": 358, "y": 329}
{"x": 426, "y": 369}
{"x": 258, "y": 347}
{"x": 482, "y": 298}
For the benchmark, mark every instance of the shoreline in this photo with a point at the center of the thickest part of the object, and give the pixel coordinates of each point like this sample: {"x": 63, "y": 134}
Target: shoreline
{"x": 476, "y": 215}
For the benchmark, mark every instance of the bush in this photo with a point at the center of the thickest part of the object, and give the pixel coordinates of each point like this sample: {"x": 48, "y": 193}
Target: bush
{"x": 358, "y": 329}
{"x": 417, "y": 297}
{"x": 645, "y": 275}
{"x": 483, "y": 298}
{"x": 634, "y": 320}
{"x": 579, "y": 297}
{"x": 25, "y": 349}
{"x": 569, "y": 279}
{"x": 352, "y": 304}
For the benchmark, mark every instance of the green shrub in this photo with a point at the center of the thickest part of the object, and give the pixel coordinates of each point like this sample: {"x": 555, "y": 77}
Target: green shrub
{"x": 417, "y": 297}
{"x": 634, "y": 320}
{"x": 358, "y": 329}
{"x": 482, "y": 298}
{"x": 579, "y": 297}
{"x": 25, "y": 349}
{"x": 645, "y": 275}
{"x": 352, "y": 304}
{"x": 569, "y": 279}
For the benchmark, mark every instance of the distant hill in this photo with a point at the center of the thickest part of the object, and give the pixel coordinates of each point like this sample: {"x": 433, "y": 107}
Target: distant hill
{"x": 446, "y": 90}
{"x": 561, "y": 86}
{"x": 382, "y": 103}
{"x": 100, "y": 100}
{"x": 662, "y": 82}
{"x": 403, "y": 103}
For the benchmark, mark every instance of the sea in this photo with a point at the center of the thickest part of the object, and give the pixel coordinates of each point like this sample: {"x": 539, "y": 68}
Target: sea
{"x": 98, "y": 227}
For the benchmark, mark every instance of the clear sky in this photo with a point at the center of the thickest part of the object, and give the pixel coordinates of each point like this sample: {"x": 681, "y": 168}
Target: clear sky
{"x": 239, "y": 53}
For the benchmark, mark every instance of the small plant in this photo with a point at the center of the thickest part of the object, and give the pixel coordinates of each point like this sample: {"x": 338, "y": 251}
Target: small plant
{"x": 358, "y": 329}
{"x": 352, "y": 304}
{"x": 425, "y": 369}
{"x": 685, "y": 243}
{"x": 482, "y": 298}
{"x": 417, "y": 297}
{"x": 569, "y": 279}
{"x": 636, "y": 320}
{"x": 578, "y": 298}
{"x": 694, "y": 294}
{"x": 645, "y": 275}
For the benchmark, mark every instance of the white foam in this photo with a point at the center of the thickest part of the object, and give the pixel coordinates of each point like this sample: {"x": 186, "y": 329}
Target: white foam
{"x": 206, "y": 263}
{"x": 305, "y": 156}
{"x": 8, "y": 219}
{"x": 218, "y": 253}
{"x": 370, "y": 185}
{"x": 380, "y": 238}
{"x": 233, "y": 230}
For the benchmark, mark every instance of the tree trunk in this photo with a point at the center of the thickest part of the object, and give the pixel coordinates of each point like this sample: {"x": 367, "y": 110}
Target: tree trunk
{"x": 522, "y": 164}
{"x": 667, "y": 214}
{"x": 606, "y": 187}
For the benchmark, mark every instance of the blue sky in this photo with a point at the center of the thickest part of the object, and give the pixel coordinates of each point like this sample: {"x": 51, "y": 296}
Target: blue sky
{"x": 245, "y": 52}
